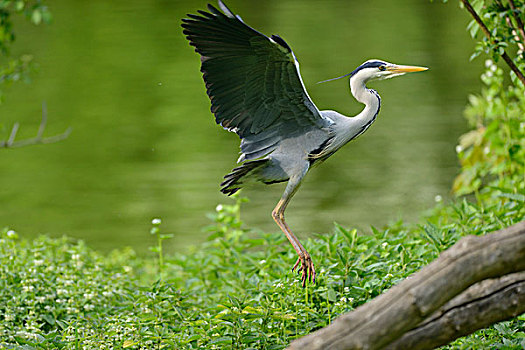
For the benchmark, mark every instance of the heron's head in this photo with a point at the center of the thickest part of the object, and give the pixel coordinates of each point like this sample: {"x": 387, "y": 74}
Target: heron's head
{"x": 379, "y": 70}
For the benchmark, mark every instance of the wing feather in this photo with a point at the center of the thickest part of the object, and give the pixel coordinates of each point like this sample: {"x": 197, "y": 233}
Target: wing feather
{"x": 253, "y": 81}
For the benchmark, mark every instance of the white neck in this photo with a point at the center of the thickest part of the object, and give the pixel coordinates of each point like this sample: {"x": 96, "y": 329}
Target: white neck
{"x": 368, "y": 97}
{"x": 346, "y": 129}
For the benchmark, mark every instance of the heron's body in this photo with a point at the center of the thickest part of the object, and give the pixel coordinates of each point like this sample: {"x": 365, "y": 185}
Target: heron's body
{"x": 256, "y": 91}
{"x": 296, "y": 154}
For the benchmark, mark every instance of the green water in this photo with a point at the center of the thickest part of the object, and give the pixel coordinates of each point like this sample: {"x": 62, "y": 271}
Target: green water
{"x": 145, "y": 145}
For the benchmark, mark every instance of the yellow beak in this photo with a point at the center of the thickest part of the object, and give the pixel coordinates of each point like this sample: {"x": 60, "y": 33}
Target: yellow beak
{"x": 406, "y": 69}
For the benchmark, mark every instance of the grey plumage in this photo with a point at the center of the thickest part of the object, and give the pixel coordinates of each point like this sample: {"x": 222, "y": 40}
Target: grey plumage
{"x": 256, "y": 91}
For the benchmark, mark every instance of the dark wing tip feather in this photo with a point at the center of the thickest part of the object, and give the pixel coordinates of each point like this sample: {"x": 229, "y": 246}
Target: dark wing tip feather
{"x": 214, "y": 10}
{"x": 207, "y": 14}
{"x": 196, "y": 17}
{"x": 281, "y": 42}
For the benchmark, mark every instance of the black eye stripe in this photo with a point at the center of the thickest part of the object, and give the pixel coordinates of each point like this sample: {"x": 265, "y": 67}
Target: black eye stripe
{"x": 371, "y": 64}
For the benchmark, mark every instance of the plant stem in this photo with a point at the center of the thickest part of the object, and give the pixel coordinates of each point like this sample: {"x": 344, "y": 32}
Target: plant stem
{"x": 486, "y": 31}
{"x": 161, "y": 259}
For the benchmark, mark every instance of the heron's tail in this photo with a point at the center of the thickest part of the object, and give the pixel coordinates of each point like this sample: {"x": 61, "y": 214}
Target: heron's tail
{"x": 233, "y": 181}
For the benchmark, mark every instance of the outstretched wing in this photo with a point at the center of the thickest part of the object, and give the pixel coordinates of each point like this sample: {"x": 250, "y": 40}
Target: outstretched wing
{"x": 252, "y": 80}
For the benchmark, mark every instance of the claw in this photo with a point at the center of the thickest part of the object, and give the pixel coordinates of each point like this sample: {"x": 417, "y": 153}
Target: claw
{"x": 306, "y": 268}
{"x": 296, "y": 263}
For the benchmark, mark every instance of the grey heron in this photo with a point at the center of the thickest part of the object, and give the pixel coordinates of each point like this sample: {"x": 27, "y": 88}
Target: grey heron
{"x": 256, "y": 91}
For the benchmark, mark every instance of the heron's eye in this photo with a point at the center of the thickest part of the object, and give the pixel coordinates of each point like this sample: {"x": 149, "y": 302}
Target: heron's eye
{"x": 382, "y": 68}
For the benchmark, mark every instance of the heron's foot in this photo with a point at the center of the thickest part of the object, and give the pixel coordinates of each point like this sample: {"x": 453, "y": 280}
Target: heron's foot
{"x": 307, "y": 269}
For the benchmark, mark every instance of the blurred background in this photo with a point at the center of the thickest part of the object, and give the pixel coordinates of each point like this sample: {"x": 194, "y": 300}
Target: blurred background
{"x": 145, "y": 145}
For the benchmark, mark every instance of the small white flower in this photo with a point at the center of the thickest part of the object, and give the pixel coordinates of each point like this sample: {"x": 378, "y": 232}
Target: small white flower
{"x": 28, "y": 288}
{"x": 38, "y": 262}
{"x": 88, "y": 307}
{"x": 347, "y": 289}
{"x": 218, "y": 207}
{"x": 343, "y": 300}
{"x": 127, "y": 268}
{"x": 156, "y": 221}
{"x": 384, "y": 244}
{"x": 389, "y": 275}
{"x": 262, "y": 262}
{"x": 438, "y": 198}
{"x": 75, "y": 256}
{"x": 488, "y": 63}
{"x": 459, "y": 149}
{"x": 11, "y": 233}
{"x": 486, "y": 150}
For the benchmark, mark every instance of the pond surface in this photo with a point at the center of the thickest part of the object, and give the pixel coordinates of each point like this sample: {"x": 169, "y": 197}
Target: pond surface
{"x": 145, "y": 145}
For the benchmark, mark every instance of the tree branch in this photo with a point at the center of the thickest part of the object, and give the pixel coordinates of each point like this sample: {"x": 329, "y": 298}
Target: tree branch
{"x": 388, "y": 317}
{"x": 38, "y": 139}
{"x": 485, "y": 30}
{"x": 484, "y": 303}
{"x": 516, "y": 31}
{"x": 519, "y": 23}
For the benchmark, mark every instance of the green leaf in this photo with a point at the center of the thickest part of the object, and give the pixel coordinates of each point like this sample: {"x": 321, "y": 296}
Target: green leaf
{"x": 36, "y": 17}
{"x": 473, "y": 28}
{"x": 129, "y": 343}
{"x": 49, "y": 319}
{"x": 518, "y": 197}
{"x": 474, "y": 55}
{"x": 222, "y": 341}
{"x": 19, "y": 5}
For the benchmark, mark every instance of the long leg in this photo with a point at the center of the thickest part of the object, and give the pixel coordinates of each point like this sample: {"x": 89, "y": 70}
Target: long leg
{"x": 307, "y": 266}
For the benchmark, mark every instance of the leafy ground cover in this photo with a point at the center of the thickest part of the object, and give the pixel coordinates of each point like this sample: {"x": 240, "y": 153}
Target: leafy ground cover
{"x": 236, "y": 290}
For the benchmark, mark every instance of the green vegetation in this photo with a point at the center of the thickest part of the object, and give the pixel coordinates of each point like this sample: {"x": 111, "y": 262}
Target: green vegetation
{"x": 237, "y": 290}
{"x": 17, "y": 68}
{"x": 234, "y": 291}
